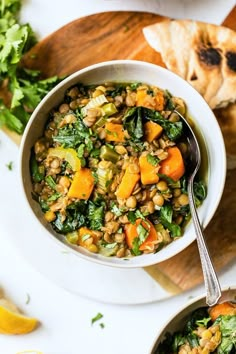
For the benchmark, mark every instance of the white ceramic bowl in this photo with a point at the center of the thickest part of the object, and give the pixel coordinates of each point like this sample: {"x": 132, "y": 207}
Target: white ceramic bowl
{"x": 178, "y": 320}
{"x": 127, "y": 71}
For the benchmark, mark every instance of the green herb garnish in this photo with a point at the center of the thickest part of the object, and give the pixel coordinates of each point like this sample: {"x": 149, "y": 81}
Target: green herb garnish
{"x": 153, "y": 160}
{"x": 10, "y": 165}
{"x": 25, "y": 87}
{"x": 96, "y": 318}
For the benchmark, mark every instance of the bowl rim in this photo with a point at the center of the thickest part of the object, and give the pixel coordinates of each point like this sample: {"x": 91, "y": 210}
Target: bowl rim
{"x": 146, "y": 261}
{"x": 187, "y": 306}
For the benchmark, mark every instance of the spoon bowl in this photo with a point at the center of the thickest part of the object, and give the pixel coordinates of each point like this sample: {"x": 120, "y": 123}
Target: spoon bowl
{"x": 213, "y": 290}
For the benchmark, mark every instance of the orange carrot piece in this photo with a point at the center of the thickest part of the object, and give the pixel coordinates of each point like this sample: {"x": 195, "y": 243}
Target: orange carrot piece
{"x": 226, "y": 308}
{"x": 114, "y": 132}
{"x": 142, "y": 99}
{"x": 153, "y": 102}
{"x": 148, "y": 171}
{"x": 131, "y": 233}
{"x": 85, "y": 231}
{"x": 173, "y": 165}
{"x": 82, "y": 184}
{"x": 152, "y": 131}
{"x": 160, "y": 101}
{"x": 127, "y": 184}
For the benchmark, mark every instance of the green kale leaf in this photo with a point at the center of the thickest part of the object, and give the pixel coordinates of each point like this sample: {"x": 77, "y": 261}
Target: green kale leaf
{"x": 228, "y": 334}
{"x": 132, "y": 121}
{"x": 166, "y": 214}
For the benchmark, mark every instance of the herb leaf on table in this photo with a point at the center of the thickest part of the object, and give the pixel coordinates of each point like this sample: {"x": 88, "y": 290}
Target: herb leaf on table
{"x": 20, "y": 89}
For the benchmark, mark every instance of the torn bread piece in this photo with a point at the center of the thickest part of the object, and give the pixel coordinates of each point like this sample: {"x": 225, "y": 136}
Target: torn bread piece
{"x": 203, "y": 54}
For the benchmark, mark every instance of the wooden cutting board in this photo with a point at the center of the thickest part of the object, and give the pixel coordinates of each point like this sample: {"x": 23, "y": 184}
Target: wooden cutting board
{"x": 118, "y": 35}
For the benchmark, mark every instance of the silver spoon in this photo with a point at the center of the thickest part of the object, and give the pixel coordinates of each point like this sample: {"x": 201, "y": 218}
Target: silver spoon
{"x": 212, "y": 286}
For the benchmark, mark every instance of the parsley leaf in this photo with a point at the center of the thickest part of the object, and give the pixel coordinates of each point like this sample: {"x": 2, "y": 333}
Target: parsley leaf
{"x": 228, "y": 333}
{"x": 22, "y": 85}
{"x": 166, "y": 214}
{"x": 153, "y": 160}
{"x": 96, "y": 318}
{"x": 10, "y": 165}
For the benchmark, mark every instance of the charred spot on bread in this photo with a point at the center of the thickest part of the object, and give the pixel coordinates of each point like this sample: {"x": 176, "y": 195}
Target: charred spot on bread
{"x": 193, "y": 77}
{"x": 231, "y": 60}
{"x": 210, "y": 56}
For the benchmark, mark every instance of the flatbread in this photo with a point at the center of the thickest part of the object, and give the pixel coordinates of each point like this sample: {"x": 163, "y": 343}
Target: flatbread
{"x": 203, "y": 54}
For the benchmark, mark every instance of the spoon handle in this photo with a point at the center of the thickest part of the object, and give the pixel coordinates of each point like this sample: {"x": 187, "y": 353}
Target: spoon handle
{"x": 213, "y": 290}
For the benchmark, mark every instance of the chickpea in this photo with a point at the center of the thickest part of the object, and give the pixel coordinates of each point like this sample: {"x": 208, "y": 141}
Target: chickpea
{"x": 48, "y": 133}
{"x": 73, "y": 93}
{"x": 109, "y": 216}
{"x": 183, "y": 199}
{"x": 39, "y": 147}
{"x": 101, "y": 133}
{"x": 119, "y": 238}
{"x": 55, "y": 163}
{"x": 134, "y": 168}
{"x": 74, "y": 104}
{"x": 131, "y": 202}
{"x": 162, "y": 186}
{"x": 64, "y": 108}
{"x": 120, "y": 253}
{"x": 174, "y": 117}
{"x": 176, "y": 192}
{"x": 123, "y": 219}
{"x": 38, "y": 188}
{"x": 150, "y": 207}
{"x": 64, "y": 182}
{"x": 121, "y": 150}
{"x": 158, "y": 200}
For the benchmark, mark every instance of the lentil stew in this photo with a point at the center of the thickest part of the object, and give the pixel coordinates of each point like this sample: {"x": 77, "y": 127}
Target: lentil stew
{"x": 110, "y": 170}
{"x": 205, "y": 330}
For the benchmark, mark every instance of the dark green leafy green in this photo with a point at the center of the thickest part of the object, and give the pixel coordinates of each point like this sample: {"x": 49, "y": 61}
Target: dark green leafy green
{"x": 197, "y": 315}
{"x": 50, "y": 181}
{"x": 153, "y": 160}
{"x": 135, "y": 247}
{"x": 228, "y": 334}
{"x": 74, "y": 136}
{"x": 142, "y": 235}
{"x": 96, "y": 214}
{"x": 34, "y": 169}
{"x": 166, "y": 214}
{"x": 132, "y": 121}
{"x": 9, "y": 165}
{"x": 134, "y": 215}
{"x": 169, "y": 180}
{"x": 54, "y": 197}
{"x": 170, "y": 106}
{"x": 173, "y": 342}
{"x": 200, "y": 192}
{"x": 75, "y": 218}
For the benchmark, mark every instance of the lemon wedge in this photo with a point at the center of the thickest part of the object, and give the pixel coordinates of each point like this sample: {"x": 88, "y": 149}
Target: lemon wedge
{"x": 12, "y": 321}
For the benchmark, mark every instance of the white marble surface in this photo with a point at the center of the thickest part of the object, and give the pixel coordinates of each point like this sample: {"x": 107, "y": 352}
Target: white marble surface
{"x": 65, "y": 317}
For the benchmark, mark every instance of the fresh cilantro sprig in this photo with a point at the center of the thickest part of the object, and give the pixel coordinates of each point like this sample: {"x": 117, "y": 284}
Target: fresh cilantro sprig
{"x": 20, "y": 89}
